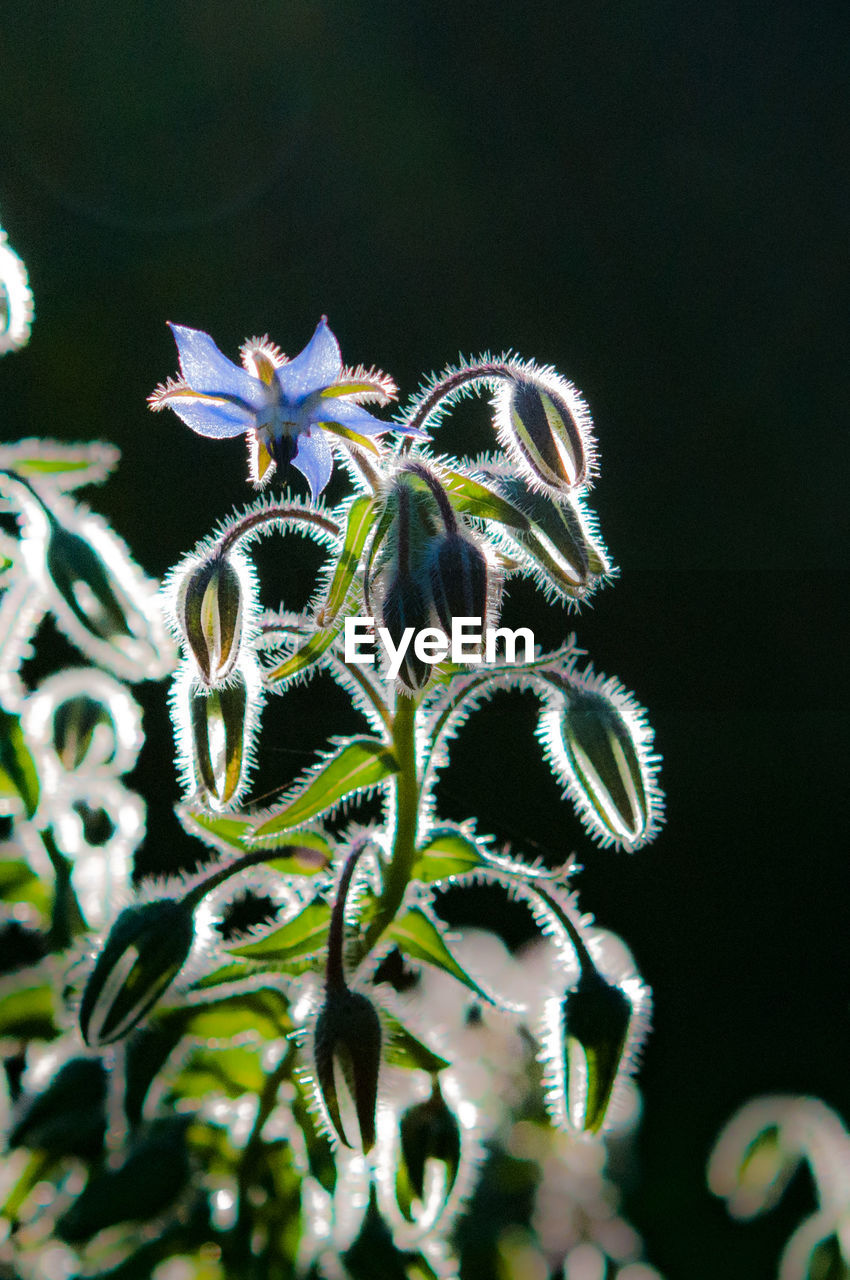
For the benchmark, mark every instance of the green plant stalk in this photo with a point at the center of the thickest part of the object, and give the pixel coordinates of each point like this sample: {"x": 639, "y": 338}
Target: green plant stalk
{"x": 397, "y": 874}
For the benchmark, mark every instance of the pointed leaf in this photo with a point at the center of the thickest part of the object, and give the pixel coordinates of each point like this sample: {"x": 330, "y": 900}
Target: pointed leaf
{"x": 264, "y": 1012}
{"x": 421, "y": 938}
{"x": 236, "y": 833}
{"x": 305, "y": 935}
{"x": 361, "y": 517}
{"x": 404, "y": 1049}
{"x": 18, "y": 775}
{"x": 362, "y": 763}
{"x": 475, "y": 499}
{"x": 67, "y": 465}
{"x": 446, "y": 854}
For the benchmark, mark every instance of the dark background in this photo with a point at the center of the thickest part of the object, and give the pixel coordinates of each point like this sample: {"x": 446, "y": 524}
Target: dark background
{"x": 653, "y": 198}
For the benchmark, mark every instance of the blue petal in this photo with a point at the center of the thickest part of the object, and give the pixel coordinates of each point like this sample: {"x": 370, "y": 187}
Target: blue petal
{"x": 349, "y": 415}
{"x": 318, "y": 365}
{"x": 314, "y": 460}
{"x": 208, "y": 370}
{"x": 212, "y": 417}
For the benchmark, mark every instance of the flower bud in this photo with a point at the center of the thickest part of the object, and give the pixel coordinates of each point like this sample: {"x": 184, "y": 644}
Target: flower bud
{"x": 596, "y": 1017}
{"x": 146, "y": 949}
{"x": 69, "y": 1116}
{"x": 153, "y": 1174}
{"x": 406, "y": 605}
{"x": 458, "y": 575}
{"x": 599, "y": 743}
{"x": 218, "y": 720}
{"x": 209, "y": 611}
{"x": 427, "y": 1131}
{"x": 347, "y": 1050}
{"x": 83, "y": 582}
{"x": 545, "y": 425}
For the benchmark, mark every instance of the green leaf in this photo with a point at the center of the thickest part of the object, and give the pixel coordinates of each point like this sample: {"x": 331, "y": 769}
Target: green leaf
{"x": 446, "y": 854}
{"x": 231, "y": 833}
{"x": 27, "y": 1013}
{"x": 234, "y": 1071}
{"x": 404, "y": 1049}
{"x": 304, "y": 657}
{"x": 475, "y": 499}
{"x": 320, "y": 1154}
{"x": 263, "y": 1013}
{"x": 68, "y": 465}
{"x": 304, "y": 935}
{"x": 19, "y": 883}
{"x": 18, "y": 774}
{"x": 422, "y": 939}
{"x": 362, "y": 763}
{"x": 361, "y": 517}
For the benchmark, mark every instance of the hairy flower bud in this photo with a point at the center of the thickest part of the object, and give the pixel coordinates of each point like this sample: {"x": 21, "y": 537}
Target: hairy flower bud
{"x": 406, "y": 607}
{"x": 68, "y": 1117}
{"x": 427, "y": 1131}
{"x": 598, "y": 742}
{"x": 458, "y": 575}
{"x": 545, "y": 425}
{"x": 83, "y": 581}
{"x": 209, "y": 612}
{"x": 145, "y": 950}
{"x": 596, "y": 1016}
{"x": 347, "y": 1051}
{"x": 218, "y": 719}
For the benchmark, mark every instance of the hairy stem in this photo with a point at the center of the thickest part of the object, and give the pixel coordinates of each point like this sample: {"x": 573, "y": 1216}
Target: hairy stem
{"x": 397, "y": 874}
{"x": 282, "y": 511}
{"x": 484, "y": 371}
{"x": 221, "y": 874}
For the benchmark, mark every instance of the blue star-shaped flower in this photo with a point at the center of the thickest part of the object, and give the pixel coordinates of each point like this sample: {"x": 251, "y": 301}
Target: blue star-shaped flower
{"x": 287, "y": 406}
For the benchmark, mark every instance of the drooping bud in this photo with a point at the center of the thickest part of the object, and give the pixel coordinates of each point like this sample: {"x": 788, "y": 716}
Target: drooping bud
{"x": 83, "y": 582}
{"x": 86, "y": 720}
{"x": 595, "y": 1017}
{"x": 143, "y": 954}
{"x": 458, "y": 574}
{"x": 218, "y": 718}
{"x": 347, "y": 1054}
{"x": 69, "y": 1116}
{"x": 413, "y": 524}
{"x": 428, "y": 1131}
{"x": 406, "y": 611}
{"x": 209, "y": 612}
{"x": 153, "y": 1174}
{"x": 99, "y": 597}
{"x": 599, "y": 744}
{"x": 545, "y": 425}
{"x": 561, "y": 546}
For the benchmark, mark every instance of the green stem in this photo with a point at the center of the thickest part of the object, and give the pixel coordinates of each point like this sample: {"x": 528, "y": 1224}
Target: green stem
{"x": 200, "y": 891}
{"x": 397, "y": 875}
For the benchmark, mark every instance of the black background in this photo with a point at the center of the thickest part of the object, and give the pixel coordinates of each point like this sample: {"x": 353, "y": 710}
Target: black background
{"x": 653, "y": 198}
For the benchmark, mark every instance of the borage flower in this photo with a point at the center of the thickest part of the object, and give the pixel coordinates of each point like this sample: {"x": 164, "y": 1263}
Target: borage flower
{"x": 286, "y": 406}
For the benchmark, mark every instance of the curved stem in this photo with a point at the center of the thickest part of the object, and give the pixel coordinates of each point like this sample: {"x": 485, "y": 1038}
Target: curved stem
{"x": 334, "y": 971}
{"x": 442, "y": 498}
{"x": 200, "y": 891}
{"x": 268, "y": 515}
{"x": 576, "y": 940}
{"x": 451, "y": 382}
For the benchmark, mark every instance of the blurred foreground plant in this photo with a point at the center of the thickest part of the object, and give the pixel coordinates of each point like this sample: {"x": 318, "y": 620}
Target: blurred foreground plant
{"x": 285, "y": 1064}
{"x": 759, "y": 1152}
